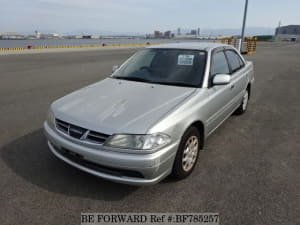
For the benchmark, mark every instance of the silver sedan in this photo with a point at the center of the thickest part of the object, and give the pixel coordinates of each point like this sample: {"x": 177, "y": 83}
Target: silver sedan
{"x": 151, "y": 117}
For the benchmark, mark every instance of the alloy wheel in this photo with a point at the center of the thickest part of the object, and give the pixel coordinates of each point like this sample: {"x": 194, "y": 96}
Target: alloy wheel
{"x": 190, "y": 153}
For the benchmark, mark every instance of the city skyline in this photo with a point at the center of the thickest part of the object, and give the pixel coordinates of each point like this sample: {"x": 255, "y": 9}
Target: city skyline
{"x": 141, "y": 17}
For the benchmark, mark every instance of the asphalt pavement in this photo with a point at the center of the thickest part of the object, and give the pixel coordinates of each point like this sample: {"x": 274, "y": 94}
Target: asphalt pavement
{"x": 249, "y": 171}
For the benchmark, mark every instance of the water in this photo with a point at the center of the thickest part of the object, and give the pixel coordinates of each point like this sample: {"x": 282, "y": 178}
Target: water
{"x": 78, "y": 42}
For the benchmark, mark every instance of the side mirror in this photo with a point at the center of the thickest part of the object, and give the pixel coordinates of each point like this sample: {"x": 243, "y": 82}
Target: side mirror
{"x": 115, "y": 68}
{"x": 221, "y": 79}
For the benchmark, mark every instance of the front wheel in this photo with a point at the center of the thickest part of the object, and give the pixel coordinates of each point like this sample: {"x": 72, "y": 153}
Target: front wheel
{"x": 243, "y": 107}
{"x": 187, "y": 153}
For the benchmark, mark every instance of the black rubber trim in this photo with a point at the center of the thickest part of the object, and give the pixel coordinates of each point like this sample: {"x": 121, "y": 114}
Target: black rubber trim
{"x": 79, "y": 159}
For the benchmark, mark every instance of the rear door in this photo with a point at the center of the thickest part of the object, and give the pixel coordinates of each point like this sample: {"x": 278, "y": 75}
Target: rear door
{"x": 238, "y": 73}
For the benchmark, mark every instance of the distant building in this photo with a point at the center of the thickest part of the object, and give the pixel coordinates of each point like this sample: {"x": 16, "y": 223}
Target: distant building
{"x": 57, "y": 35}
{"x": 91, "y": 36}
{"x": 37, "y": 34}
{"x": 50, "y": 36}
{"x": 11, "y": 35}
{"x": 167, "y": 34}
{"x": 198, "y": 31}
{"x": 158, "y": 34}
{"x": 72, "y": 36}
{"x": 78, "y": 36}
{"x": 265, "y": 37}
{"x": 193, "y": 32}
{"x": 95, "y": 36}
{"x": 178, "y": 31}
{"x": 288, "y": 32}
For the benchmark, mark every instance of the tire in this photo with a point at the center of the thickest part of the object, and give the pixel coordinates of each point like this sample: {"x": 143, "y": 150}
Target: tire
{"x": 186, "y": 157}
{"x": 243, "y": 106}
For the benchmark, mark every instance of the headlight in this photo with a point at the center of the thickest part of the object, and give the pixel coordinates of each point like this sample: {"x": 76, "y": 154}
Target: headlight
{"x": 139, "y": 142}
{"x": 50, "y": 118}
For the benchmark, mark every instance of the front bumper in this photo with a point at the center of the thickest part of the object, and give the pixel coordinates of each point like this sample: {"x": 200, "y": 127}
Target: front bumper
{"x": 136, "y": 169}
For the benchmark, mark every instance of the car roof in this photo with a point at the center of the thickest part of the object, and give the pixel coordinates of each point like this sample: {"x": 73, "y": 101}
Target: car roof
{"x": 190, "y": 45}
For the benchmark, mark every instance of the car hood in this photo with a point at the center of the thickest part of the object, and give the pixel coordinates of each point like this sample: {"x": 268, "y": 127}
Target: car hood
{"x": 119, "y": 106}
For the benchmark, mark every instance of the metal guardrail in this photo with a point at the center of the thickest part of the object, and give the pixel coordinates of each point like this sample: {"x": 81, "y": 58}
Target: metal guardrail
{"x": 5, "y": 49}
{"x": 250, "y": 45}
{"x": 80, "y": 46}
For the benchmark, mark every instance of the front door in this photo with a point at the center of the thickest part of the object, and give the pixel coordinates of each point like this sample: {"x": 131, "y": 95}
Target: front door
{"x": 219, "y": 103}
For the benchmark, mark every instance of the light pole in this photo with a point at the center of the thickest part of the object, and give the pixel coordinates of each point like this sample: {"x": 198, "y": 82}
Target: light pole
{"x": 244, "y": 24}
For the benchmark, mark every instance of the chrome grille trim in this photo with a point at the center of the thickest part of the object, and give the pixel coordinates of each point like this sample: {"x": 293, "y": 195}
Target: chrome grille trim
{"x": 63, "y": 126}
{"x": 79, "y": 133}
{"x": 93, "y": 136}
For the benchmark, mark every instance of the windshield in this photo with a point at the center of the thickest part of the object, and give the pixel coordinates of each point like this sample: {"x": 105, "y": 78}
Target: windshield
{"x": 165, "y": 66}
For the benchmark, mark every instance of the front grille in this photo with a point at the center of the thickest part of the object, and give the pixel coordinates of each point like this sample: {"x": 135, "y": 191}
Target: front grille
{"x": 80, "y": 132}
{"x": 61, "y": 125}
{"x": 96, "y": 137}
{"x": 76, "y": 132}
{"x": 79, "y": 159}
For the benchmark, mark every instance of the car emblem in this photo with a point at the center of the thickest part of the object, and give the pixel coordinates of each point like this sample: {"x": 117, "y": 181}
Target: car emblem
{"x": 76, "y": 132}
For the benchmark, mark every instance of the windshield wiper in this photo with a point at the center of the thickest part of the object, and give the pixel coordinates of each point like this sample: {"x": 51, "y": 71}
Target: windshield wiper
{"x": 176, "y": 84}
{"x": 132, "y": 78}
{"x": 153, "y": 82}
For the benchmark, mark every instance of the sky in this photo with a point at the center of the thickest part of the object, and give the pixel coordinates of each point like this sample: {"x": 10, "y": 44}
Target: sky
{"x": 142, "y": 16}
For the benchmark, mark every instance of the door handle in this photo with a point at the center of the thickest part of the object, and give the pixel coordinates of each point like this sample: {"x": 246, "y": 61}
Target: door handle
{"x": 232, "y": 86}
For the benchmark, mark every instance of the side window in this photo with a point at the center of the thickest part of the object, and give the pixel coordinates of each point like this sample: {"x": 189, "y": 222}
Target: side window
{"x": 234, "y": 60}
{"x": 219, "y": 64}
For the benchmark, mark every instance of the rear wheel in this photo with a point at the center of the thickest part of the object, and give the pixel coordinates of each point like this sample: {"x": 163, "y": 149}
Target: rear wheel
{"x": 243, "y": 107}
{"x": 187, "y": 153}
